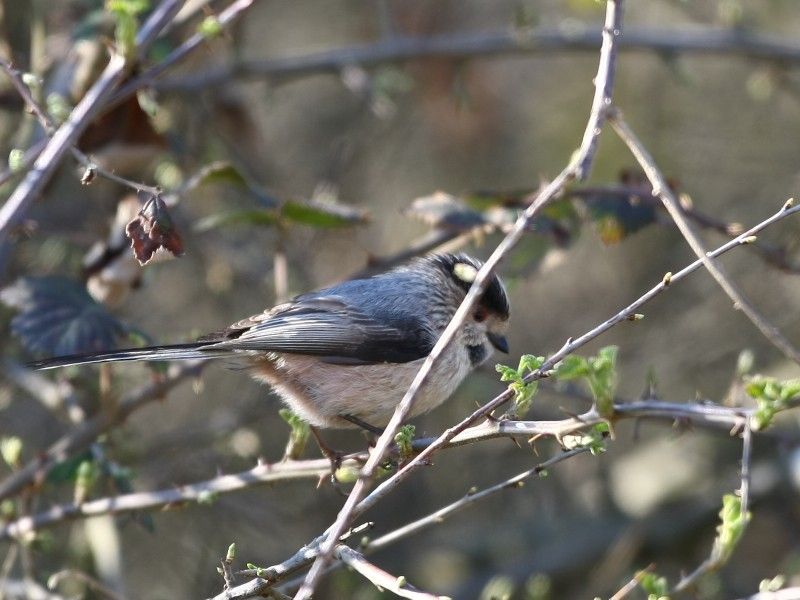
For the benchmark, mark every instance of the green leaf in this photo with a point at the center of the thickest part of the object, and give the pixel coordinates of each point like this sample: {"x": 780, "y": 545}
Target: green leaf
{"x": 404, "y": 439}
{"x": 210, "y": 27}
{"x": 67, "y": 470}
{"x": 655, "y": 586}
{"x": 11, "y": 451}
{"x": 322, "y": 214}
{"x": 125, "y": 13}
{"x": 572, "y": 367}
{"x": 16, "y": 160}
{"x": 730, "y": 530}
{"x": 523, "y": 391}
{"x": 252, "y": 216}
{"x": 57, "y": 316}
{"x": 86, "y": 476}
{"x": 298, "y": 437}
{"x": 216, "y": 172}
{"x": 600, "y": 373}
{"x": 771, "y": 396}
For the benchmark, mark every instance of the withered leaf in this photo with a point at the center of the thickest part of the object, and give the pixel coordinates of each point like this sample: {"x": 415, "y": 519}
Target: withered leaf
{"x": 444, "y": 211}
{"x": 151, "y": 229}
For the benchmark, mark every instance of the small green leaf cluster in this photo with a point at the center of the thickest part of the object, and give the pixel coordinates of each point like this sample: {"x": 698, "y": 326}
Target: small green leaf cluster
{"x": 210, "y": 27}
{"x": 85, "y": 479}
{"x": 594, "y": 439}
{"x": 299, "y": 431}
{"x": 11, "y": 451}
{"x": 404, "y": 438}
{"x": 655, "y": 587}
{"x": 771, "y": 396}
{"x": 260, "y": 571}
{"x": 772, "y": 585}
{"x": 523, "y": 391}
{"x": 600, "y": 372}
{"x": 16, "y": 160}
{"x": 730, "y": 529}
{"x": 125, "y": 13}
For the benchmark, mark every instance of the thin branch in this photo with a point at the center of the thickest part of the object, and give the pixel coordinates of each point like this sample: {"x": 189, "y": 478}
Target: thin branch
{"x": 666, "y": 42}
{"x": 792, "y": 593}
{"x": 579, "y": 167}
{"x": 631, "y": 585}
{"x": 383, "y": 580}
{"x": 82, "y": 436}
{"x": 747, "y": 451}
{"x": 662, "y": 190}
{"x": 82, "y": 115}
{"x": 571, "y": 346}
{"x": 226, "y": 18}
{"x": 702, "y": 414}
{"x": 418, "y": 525}
{"x": 459, "y": 505}
{"x": 204, "y": 491}
{"x": 93, "y": 584}
{"x": 49, "y": 127}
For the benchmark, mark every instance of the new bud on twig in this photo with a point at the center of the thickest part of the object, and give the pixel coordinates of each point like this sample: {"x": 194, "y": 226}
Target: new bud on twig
{"x": 667, "y": 279}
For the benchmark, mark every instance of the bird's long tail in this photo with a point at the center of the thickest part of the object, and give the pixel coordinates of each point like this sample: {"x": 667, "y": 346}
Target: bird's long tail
{"x": 191, "y": 351}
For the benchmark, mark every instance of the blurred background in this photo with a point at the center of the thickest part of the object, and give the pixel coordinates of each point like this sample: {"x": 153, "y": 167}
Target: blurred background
{"x": 350, "y": 148}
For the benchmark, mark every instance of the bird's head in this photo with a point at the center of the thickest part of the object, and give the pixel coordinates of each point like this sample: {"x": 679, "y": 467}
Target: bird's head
{"x": 488, "y": 320}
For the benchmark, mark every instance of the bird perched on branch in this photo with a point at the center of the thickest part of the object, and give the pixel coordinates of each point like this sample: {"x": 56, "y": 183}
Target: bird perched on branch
{"x": 345, "y": 355}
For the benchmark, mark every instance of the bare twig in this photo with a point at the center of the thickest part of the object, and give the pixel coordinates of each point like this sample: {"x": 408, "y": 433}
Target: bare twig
{"x": 93, "y": 584}
{"x": 579, "y": 167}
{"x": 382, "y": 579}
{"x": 631, "y": 585}
{"x": 571, "y": 346}
{"x": 49, "y": 127}
{"x": 702, "y": 414}
{"x": 82, "y": 436}
{"x": 204, "y": 491}
{"x": 226, "y": 18}
{"x": 792, "y": 593}
{"x": 82, "y": 115}
{"x": 662, "y": 190}
{"x": 738, "y": 42}
{"x": 444, "y": 512}
{"x": 747, "y": 451}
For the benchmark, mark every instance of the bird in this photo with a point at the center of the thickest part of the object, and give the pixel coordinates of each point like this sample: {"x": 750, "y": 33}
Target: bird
{"x": 343, "y": 356}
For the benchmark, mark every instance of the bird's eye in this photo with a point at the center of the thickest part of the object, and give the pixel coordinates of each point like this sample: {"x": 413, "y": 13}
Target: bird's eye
{"x": 481, "y": 314}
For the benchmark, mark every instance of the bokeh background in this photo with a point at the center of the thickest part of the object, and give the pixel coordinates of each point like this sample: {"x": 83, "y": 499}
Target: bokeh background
{"x": 724, "y": 126}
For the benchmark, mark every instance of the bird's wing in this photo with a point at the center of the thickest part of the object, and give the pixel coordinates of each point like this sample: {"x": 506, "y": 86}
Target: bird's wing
{"x": 333, "y": 329}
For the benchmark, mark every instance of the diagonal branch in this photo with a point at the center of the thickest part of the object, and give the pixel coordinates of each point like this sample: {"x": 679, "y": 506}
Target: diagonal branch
{"x": 661, "y": 189}
{"x": 82, "y": 115}
{"x": 459, "y": 46}
{"x": 82, "y": 436}
{"x": 452, "y": 434}
{"x": 578, "y": 167}
{"x": 382, "y": 580}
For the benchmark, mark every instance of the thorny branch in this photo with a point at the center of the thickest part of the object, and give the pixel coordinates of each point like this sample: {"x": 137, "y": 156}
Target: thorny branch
{"x": 662, "y": 190}
{"x": 82, "y": 436}
{"x": 263, "y": 473}
{"x": 668, "y": 42}
{"x": 578, "y": 167}
{"x": 383, "y": 580}
{"x": 82, "y": 115}
{"x": 49, "y": 127}
{"x": 451, "y": 435}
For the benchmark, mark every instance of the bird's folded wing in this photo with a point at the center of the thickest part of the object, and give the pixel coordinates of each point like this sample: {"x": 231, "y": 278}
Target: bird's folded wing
{"x": 332, "y": 329}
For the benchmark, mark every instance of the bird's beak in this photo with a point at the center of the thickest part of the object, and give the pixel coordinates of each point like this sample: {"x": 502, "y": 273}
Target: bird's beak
{"x": 498, "y": 341}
